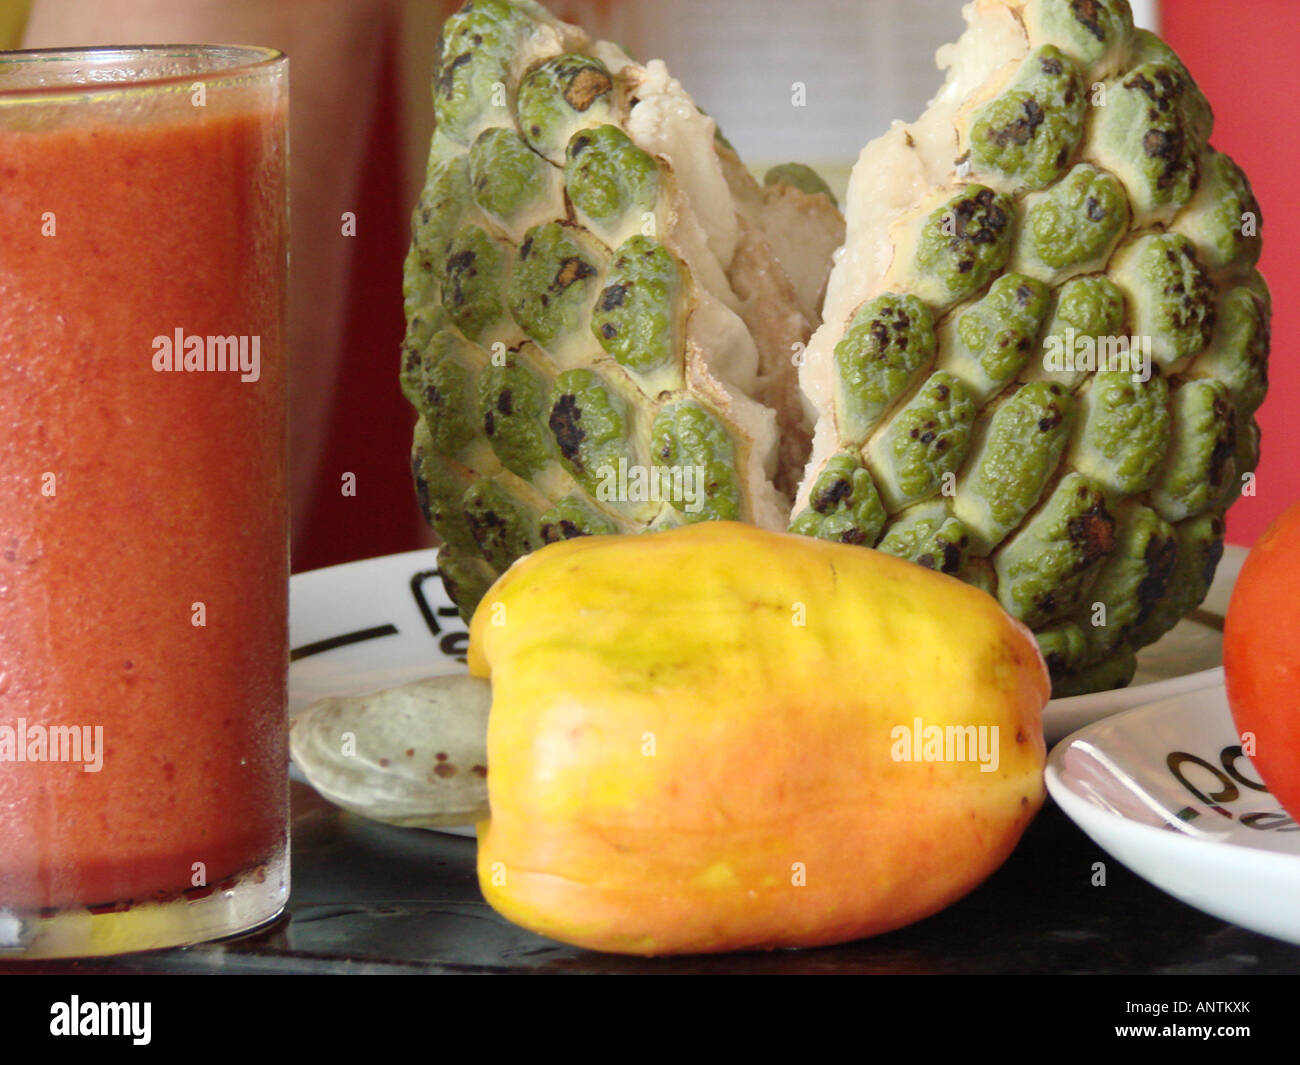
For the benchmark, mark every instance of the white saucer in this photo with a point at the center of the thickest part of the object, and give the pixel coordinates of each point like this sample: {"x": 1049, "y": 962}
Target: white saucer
{"x": 1166, "y": 790}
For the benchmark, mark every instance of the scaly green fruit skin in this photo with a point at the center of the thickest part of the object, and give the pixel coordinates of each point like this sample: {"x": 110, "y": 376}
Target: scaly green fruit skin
{"x": 927, "y": 440}
{"x": 557, "y": 349}
{"x": 1170, "y": 296}
{"x": 1029, "y": 133}
{"x": 1074, "y": 225}
{"x": 963, "y": 243}
{"x": 994, "y": 337}
{"x": 473, "y": 282}
{"x": 1125, "y": 431}
{"x": 688, "y": 437}
{"x": 477, "y": 44}
{"x": 1143, "y": 137}
{"x": 560, "y": 96}
{"x": 1044, "y": 569}
{"x": 553, "y": 283}
{"x": 1007, "y": 473}
{"x": 571, "y": 517}
{"x": 505, "y": 174}
{"x": 591, "y": 425}
{"x": 608, "y": 178}
{"x": 929, "y": 536}
{"x": 1090, "y": 31}
{"x": 1132, "y": 580}
{"x": 889, "y": 340}
{"x": 845, "y": 505}
{"x": 512, "y": 404}
{"x": 637, "y": 318}
{"x": 1085, "y": 262}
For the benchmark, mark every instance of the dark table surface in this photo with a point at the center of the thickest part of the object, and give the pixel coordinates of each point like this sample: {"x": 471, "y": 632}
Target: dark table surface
{"x": 369, "y": 898}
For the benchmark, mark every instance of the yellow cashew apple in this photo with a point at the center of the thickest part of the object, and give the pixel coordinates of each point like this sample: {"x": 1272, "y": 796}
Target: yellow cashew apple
{"x": 720, "y": 738}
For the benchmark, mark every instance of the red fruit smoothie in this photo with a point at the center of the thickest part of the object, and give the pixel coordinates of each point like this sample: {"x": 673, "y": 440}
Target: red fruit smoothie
{"x": 143, "y": 514}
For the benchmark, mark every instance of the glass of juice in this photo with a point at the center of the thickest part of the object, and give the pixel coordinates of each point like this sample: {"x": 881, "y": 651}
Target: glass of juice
{"x": 143, "y": 505}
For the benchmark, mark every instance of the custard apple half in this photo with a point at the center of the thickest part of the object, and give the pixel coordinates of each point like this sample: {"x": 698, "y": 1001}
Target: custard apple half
{"x": 603, "y": 306}
{"x": 1045, "y": 338}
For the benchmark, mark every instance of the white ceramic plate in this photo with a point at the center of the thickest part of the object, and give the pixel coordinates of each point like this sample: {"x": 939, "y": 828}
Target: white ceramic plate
{"x": 1166, "y": 790}
{"x": 374, "y": 624}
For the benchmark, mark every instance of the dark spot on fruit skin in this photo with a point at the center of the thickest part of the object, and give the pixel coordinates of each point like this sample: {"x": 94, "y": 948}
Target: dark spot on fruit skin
{"x": 1093, "y": 533}
{"x": 553, "y": 532}
{"x": 1094, "y": 209}
{"x": 447, "y": 75}
{"x": 409, "y": 752}
{"x": 478, "y": 770}
{"x": 1160, "y": 556}
{"x": 1088, "y": 13}
{"x": 1213, "y": 554}
{"x": 823, "y": 502}
{"x": 586, "y": 86}
{"x": 608, "y": 331}
{"x": 441, "y": 756}
{"x": 1051, "y": 66}
{"x": 1166, "y": 145}
{"x": 384, "y": 763}
{"x": 564, "y": 422}
{"x": 1020, "y": 736}
{"x": 445, "y": 770}
{"x": 488, "y": 528}
{"x": 613, "y": 296}
{"x": 506, "y": 401}
{"x": 990, "y": 221}
{"x": 951, "y": 558}
{"x": 571, "y": 269}
{"x": 461, "y": 261}
{"x": 489, "y": 422}
{"x": 1022, "y": 130}
{"x": 853, "y": 536}
{"x": 1226, "y": 446}
{"x": 579, "y": 144}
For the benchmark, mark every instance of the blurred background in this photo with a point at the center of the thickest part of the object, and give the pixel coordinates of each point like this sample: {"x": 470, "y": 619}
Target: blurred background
{"x": 362, "y": 118}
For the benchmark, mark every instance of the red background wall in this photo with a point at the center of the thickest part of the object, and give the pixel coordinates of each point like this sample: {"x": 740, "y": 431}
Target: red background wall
{"x": 1245, "y": 55}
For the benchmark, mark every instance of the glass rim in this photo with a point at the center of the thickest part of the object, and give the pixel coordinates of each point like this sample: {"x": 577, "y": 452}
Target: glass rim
{"x": 250, "y": 59}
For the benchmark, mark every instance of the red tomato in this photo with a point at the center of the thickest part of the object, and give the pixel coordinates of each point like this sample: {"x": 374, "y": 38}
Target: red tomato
{"x": 1261, "y": 657}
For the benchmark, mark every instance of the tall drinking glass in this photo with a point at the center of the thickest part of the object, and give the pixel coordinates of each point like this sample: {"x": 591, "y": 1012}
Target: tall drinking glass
{"x": 143, "y": 506}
